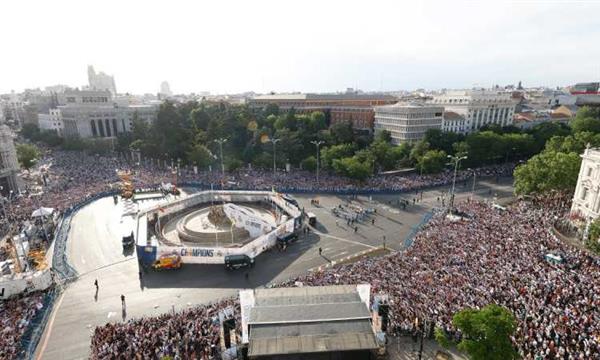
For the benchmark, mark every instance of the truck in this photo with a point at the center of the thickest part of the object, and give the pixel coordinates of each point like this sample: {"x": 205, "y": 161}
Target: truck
{"x": 168, "y": 261}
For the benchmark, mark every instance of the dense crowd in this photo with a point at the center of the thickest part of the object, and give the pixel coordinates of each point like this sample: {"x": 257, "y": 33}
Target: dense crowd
{"x": 488, "y": 255}
{"x": 15, "y": 316}
{"x": 71, "y": 177}
{"x": 190, "y": 334}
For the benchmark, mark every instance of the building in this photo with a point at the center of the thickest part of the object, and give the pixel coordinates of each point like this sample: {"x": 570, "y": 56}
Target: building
{"x": 9, "y": 166}
{"x": 478, "y": 107}
{"x": 93, "y": 114}
{"x": 586, "y": 201}
{"x": 350, "y": 107}
{"x": 322, "y": 322}
{"x": 165, "y": 89}
{"x": 101, "y": 81}
{"x": 454, "y": 122}
{"x": 408, "y": 122}
{"x": 51, "y": 122}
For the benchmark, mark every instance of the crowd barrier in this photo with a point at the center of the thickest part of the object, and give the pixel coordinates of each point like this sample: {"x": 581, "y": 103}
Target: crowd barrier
{"x": 291, "y": 190}
{"x": 36, "y": 326}
{"x": 60, "y": 263}
{"x": 410, "y": 238}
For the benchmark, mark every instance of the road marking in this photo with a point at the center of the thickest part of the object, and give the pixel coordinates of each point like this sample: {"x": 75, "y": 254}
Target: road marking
{"x": 50, "y": 325}
{"x": 342, "y": 239}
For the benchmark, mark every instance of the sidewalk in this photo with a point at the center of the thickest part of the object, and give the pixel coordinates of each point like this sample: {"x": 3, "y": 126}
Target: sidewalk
{"x": 403, "y": 348}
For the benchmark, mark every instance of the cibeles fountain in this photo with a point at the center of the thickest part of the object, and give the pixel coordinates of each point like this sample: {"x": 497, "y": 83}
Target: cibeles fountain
{"x": 226, "y": 224}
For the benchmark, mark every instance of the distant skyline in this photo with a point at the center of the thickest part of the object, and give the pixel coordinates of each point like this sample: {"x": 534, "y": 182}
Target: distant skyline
{"x": 310, "y": 46}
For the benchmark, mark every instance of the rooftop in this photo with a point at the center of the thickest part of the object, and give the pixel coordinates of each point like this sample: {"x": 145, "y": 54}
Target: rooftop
{"x": 325, "y": 97}
{"x": 309, "y": 320}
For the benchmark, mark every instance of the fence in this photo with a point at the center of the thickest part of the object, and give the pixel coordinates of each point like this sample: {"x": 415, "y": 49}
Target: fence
{"x": 36, "y": 326}
{"x": 60, "y": 263}
{"x": 415, "y": 229}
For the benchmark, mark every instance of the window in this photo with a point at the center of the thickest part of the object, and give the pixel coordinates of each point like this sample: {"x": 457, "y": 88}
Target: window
{"x": 584, "y": 193}
{"x": 589, "y": 171}
{"x": 93, "y": 126}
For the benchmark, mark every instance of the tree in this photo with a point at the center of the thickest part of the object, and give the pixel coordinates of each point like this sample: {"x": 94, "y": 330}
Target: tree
{"x": 317, "y": 121}
{"x": 309, "y": 163}
{"x": 30, "y": 131}
{"x": 549, "y": 170}
{"x": 200, "y": 156}
{"x": 352, "y": 167}
{"x": 486, "y": 333}
{"x": 384, "y": 136}
{"x": 587, "y": 119}
{"x": 331, "y": 153}
{"x": 442, "y": 140}
{"x": 432, "y": 161}
{"x": 342, "y": 132}
{"x": 418, "y": 151}
{"x": 593, "y": 240}
{"x": 27, "y": 155}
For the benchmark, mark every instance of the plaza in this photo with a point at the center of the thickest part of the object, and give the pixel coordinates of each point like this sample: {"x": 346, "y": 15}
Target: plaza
{"x": 94, "y": 249}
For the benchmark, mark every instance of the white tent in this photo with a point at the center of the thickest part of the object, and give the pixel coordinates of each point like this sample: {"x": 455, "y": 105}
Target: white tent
{"x": 43, "y": 211}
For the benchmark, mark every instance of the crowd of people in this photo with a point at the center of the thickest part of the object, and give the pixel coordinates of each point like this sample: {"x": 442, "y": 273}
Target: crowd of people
{"x": 487, "y": 255}
{"x": 15, "y": 316}
{"x": 64, "y": 178}
{"x": 190, "y": 334}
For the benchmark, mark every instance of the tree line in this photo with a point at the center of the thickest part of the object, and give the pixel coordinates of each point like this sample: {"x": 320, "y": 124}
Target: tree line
{"x": 193, "y": 132}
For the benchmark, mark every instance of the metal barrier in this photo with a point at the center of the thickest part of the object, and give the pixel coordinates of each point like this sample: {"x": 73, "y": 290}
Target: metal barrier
{"x": 415, "y": 229}
{"x": 36, "y": 326}
{"x": 60, "y": 264}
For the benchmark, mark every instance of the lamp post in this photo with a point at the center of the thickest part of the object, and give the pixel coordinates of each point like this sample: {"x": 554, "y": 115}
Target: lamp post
{"x": 317, "y": 144}
{"x": 456, "y": 160}
{"x": 274, "y": 141}
{"x": 220, "y": 142}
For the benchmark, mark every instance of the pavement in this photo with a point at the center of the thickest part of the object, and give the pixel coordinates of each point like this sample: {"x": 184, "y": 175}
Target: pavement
{"x": 94, "y": 250}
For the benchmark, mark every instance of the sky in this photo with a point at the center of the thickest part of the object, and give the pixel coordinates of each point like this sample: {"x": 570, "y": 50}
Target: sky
{"x": 229, "y": 46}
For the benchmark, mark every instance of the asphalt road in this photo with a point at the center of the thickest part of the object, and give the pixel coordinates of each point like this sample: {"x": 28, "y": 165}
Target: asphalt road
{"x": 94, "y": 249}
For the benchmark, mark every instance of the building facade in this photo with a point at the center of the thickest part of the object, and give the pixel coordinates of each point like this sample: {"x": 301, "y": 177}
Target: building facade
{"x": 9, "y": 166}
{"x": 586, "y": 201}
{"x": 408, "y": 122}
{"x": 93, "y": 114}
{"x": 101, "y": 81}
{"x": 354, "y": 108}
{"x": 478, "y": 107}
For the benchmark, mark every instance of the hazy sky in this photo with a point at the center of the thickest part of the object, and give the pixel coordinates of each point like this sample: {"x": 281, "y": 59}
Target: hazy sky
{"x": 234, "y": 46}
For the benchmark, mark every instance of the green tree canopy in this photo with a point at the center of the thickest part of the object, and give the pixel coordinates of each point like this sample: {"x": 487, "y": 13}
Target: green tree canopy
{"x": 587, "y": 119}
{"x": 486, "y": 333}
{"x": 433, "y": 161}
{"x": 335, "y": 152}
{"x": 309, "y": 163}
{"x": 549, "y": 170}
{"x": 200, "y": 156}
{"x": 353, "y": 168}
{"x": 27, "y": 155}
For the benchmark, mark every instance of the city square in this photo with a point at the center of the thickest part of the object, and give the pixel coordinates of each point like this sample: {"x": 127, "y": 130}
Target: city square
{"x": 340, "y": 180}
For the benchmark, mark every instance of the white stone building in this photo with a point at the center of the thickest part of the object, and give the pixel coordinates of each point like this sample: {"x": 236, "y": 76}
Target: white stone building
{"x": 478, "y": 107}
{"x": 51, "y": 121}
{"x": 93, "y": 114}
{"x": 9, "y": 166}
{"x": 408, "y": 122}
{"x": 586, "y": 201}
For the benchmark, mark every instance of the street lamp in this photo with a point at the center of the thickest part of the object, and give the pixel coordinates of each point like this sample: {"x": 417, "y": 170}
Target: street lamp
{"x": 317, "y": 144}
{"x": 456, "y": 160}
{"x": 220, "y": 142}
{"x": 274, "y": 141}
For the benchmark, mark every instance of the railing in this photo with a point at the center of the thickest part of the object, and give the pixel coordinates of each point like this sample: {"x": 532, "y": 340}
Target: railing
{"x": 410, "y": 238}
{"x": 60, "y": 264}
{"x": 36, "y": 326}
